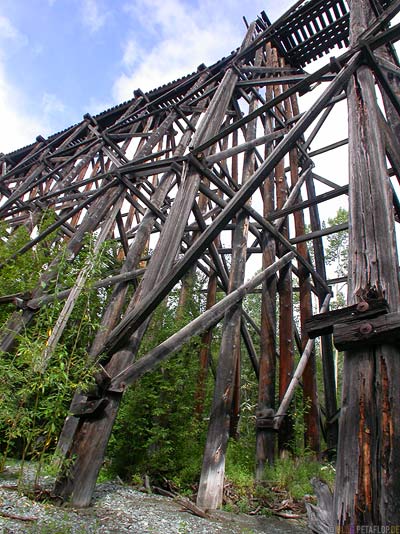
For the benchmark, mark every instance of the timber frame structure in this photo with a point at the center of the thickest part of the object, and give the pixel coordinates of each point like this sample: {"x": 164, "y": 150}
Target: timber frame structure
{"x": 226, "y": 151}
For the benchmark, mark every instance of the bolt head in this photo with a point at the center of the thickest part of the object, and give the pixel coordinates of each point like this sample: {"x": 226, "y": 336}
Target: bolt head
{"x": 366, "y": 328}
{"x": 362, "y": 306}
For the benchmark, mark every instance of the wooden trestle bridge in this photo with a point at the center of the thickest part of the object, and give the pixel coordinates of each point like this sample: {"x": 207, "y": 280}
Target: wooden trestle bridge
{"x": 226, "y": 149}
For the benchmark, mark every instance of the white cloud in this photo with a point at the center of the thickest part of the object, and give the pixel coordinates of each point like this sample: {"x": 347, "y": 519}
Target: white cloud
{"x": 131, "y": 53}
{"x": 93, "y": 16}
{"x": 182, "y": 36}
{"x": 18, "y": 127}
{"x": 10, "y": 32}
{"x": 51, "y": 104}
{"x": 96, "y": 106}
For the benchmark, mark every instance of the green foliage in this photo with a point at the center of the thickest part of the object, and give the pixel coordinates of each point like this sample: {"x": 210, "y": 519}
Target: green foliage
{"x": 294, "y": 474}
{"x": 34, "y": 399}
{"x": 157, "y": 432}
{"x": 299, "y": 408}
{"x": 240, "y": 462}
{"x": 21, "y": 274}
{"x": 336, "y": 253}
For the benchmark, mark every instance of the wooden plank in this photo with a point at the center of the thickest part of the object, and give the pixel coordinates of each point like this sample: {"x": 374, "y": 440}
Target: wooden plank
{"x": 352, "y": 335}
{"x": 322, "y": 324}
{"x": 265, "y": 139}
{"x": 206, "y": 320}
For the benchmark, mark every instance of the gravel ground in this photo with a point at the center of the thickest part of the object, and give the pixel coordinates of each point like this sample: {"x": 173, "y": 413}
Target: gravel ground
{"x": 118, "y": 508}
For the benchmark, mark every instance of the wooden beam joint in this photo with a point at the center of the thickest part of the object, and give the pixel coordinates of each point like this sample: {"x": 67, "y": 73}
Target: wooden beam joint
{"x": 265, "y": 419}
{"x": 324, "y": 323}
{"x": 89, "y": 408}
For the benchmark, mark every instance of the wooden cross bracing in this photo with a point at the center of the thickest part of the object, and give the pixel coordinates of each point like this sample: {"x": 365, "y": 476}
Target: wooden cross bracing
{"x": 227, "y": 151}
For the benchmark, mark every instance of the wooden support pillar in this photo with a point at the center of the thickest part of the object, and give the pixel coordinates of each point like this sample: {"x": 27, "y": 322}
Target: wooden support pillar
{"x": 328, "y": 363}
{"x": 205, "y": 350}
{"x": 285, "y": 321}
{"x": 236, "y": 394}
{"x": 310, "y": 396}
{"x": 266, "y": 437}
{"x": 213, "y": 471}
{"x": 367, "y": 489}
{"x": 235, "y": 408}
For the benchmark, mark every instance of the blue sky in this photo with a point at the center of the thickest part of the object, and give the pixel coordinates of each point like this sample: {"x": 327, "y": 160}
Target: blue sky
{"x": 62, "y": 58}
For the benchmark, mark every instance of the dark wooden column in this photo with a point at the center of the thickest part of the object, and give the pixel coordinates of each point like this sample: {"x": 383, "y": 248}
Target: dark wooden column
{"x": 310, "y": 396}
{"x": 368, "y": 467}
{"x": 266, "y": 437}
{"x": 205, "y": 350}
{"x": 213, "y": 471}
{"x": 328, "y": 364}
{"x": 286, "y": 346}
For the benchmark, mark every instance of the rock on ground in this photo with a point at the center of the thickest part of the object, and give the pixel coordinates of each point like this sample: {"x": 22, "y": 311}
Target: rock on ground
{"x": 120, "y": 509}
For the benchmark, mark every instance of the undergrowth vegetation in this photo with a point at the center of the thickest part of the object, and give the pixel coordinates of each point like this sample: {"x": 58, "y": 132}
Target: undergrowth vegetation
{"x": 35, "y": 393}
{"x": 162, "y": 424}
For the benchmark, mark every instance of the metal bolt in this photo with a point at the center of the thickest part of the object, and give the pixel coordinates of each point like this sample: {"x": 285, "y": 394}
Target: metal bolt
{"x": 366, "y": 328}
{"x": 362, "y": 306}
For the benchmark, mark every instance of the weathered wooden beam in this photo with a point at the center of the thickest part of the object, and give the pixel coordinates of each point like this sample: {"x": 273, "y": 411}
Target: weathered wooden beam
{"x": 320, "y": 233}
{"x": 211, "y": 483}
{"x": 322, "y": 324}
{"x": 328, "y": 363}
{"x": 133, "y": 320}
{"x": 290, "y": 79}
{"x": 287, "y": 399}
{"x": 368, "y": 466}
{"x": 264, "y": 140}
{"x": 355, "y": 334}
{"x": 328, "y": 148}
{"x": 342, "y": 190}
{"x": 205, "y": 321}
{"x": 265, "y": 438}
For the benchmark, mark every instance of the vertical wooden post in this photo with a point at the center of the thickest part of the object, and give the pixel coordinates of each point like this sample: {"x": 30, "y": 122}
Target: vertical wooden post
{"x": 368, "y": 467}
{"x": 265, "y": 437}
{"x": 286, "y": 348}
{"x": 205, "y": 349}
{"x": 236, "y": 394}
{"x": 328, "y": 363}
{"x": 213, "y": 471}
{"x": 311, "y": 416}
